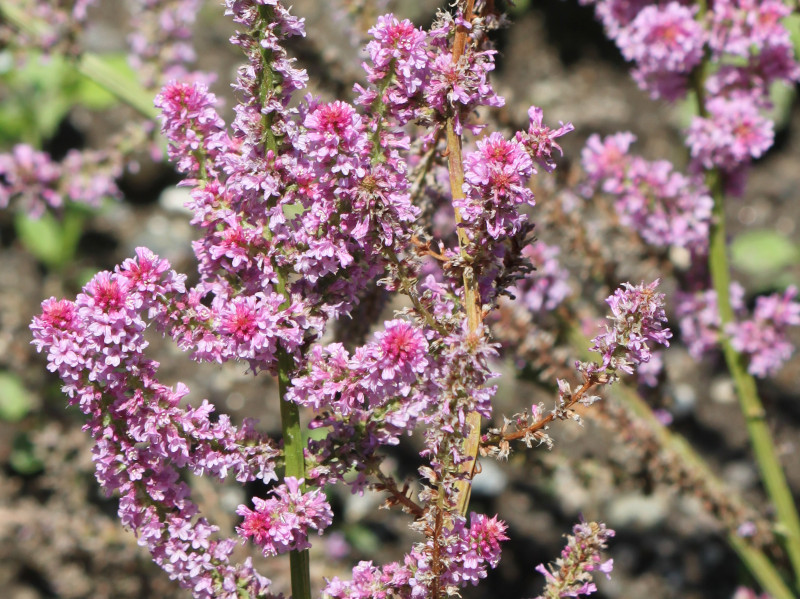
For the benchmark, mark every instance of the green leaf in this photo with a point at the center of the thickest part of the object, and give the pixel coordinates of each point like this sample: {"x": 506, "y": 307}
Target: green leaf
{"x": 22, "y": 458}
{"x": 792, "y": 24}
{"x": 763, "y": 252}
{"x": 40, "y": 93}
{"x": 362, "y": 539}
{"x": 782, "y": 97}
{"x": 15, "y": 400}
{"x": 52, "y": 240}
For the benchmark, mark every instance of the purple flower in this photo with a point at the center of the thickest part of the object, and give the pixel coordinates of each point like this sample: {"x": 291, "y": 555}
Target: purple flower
{"x": 571, "y": 574}
{"x": 195, "y": 132}
{"x": 666, "y": 43}
{"x": 764, "y": 339}
{"x": 637, "y": 317}
{"x": 142, "y": 434}
{"x": 539, "y": 139}
{"x": 466, "y": 554}
{"x": 732, "y": 135}
{"x": 495, "y": 183}
{"x": 370, "y": 582}
{"x": 699, "y": 320}
{"x": 281, "y": 523}
{"x": 399, "y": 68}
{"x": 31, "y": 182}
{"x": 458, "y": 88}
{"x": 663, "y": 206}
{"x": 160, "y": 38}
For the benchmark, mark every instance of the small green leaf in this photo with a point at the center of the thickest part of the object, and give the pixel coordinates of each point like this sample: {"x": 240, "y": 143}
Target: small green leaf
{"x": 362, "y": 539}
{"x": 22, "y": 458}
{"x": 792, "y": 24}
{"x": 52, "y": 240}
{"x": 763, "y": 252}
{"x": 782, "y": 97}
{"x": 15, "y": 400}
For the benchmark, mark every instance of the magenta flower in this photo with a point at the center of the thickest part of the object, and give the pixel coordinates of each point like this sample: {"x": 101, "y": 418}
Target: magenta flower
{"x": 662, "y": 205}
{"x": 764, "y": 339}
{"x": 666, "y": 43}
{"x": 31, "y": 182}
{"x": 195, "y": 132}
{"x": 571, "y": 574}
{"x": 495, "y": 183}
{"x": 637, "y": 317}
{"x": 539, "y": 139}
{"x": 732, "y": 135}
{"x": 281, "y": 523}
{"x": 402, "y": 352}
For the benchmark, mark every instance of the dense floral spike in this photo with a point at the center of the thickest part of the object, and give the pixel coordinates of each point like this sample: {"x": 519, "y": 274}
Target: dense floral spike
{"x": 370, "y": 582}
{"x": 747, "y": 39}
{"x": 663, "y": 206}
{"x": 699, "y": 320}
{"x": 399, "y": 66}
{"x": 466, "y": 555}
{"x": 495, "y": 183}
{"x": 762, "y": 339}
{"x": 379, "y": 371}
{"x": 734, "y": 133}
{"x": 58, "y": 26}
{"x": 572, "y": 573}
{"x": 281, "y": 523}
{"x": 666, "y": 42}
{"x": 190, "y": 123}
{"x": 143, "y": 436}
{"x": 31, "y": 182}
{"x": 637, "y": 315}
{"x": 458, "y": 88}
{"x": 496, "y": 176}
{"x": 160, "y": 38}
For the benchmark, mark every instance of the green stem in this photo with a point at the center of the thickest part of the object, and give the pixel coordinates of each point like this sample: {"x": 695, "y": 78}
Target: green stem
{"x": 754, "y": 559}
{"x": 755, "y": 418}
{"x": 106, "y": 76}
{"x": 761, "y": 568}
{"x": 295, "y": 466}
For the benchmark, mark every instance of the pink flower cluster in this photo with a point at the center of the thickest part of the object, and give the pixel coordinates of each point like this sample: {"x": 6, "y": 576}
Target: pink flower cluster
{"x": 763, "y": 338}
{"x": 160, "y": 38}
{"x": 466, "y": 554}
{"x": 383, "y": 369}
{"x": 281, "y": 523}
{"x": 496, "y": 177}
{"x": 637, "y": 317}
{"x": 413, "y": 75}
{"x": 663, "y": 206}
{"x": 191, "y": 124}
{"x": 32, "y": 182}
{"x": 142, "y": 434}
{"x": 747, "y": 39}
{"x": 301, "y": 207}
{"x": 571, "y": 575}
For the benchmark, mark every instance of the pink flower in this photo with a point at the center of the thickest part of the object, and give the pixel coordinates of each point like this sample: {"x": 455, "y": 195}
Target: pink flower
{"x": 666, "y": 43}
{"x": 281, "y": 523}
{"x": 734, "y": 133}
